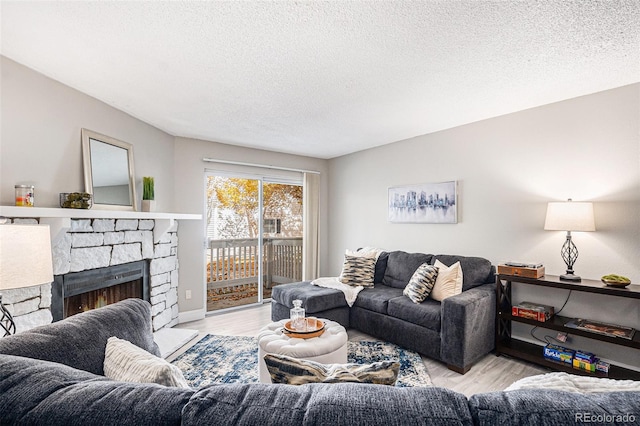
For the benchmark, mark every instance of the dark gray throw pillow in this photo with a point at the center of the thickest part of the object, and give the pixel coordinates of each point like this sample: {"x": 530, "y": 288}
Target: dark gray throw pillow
{"x": 292, "y": 371}
{"x": 80, "y": 340}
{"x": 381, "y": 266}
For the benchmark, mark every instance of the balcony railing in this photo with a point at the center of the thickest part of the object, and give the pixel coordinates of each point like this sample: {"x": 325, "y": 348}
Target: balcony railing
{"x": 233, "y": 263}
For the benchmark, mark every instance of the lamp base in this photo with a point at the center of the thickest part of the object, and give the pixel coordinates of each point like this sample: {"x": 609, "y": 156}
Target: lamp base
{"x": 570, "y": 277}
{"x": 7, "y": 326}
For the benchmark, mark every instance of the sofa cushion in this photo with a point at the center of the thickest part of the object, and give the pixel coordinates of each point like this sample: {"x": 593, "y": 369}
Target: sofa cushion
{"x": 39, "y": 392}
{"x": 314, "y": 298}
{"x": 401, "y": 266}
{"x": 326, "y": 404}
{"x": 425, "y": 314}
{"x": 476, "y": 270}
{"x": 421, "y": 283}
{"x": 126, "y": 362}
{"x": 80, "y": 341}
{"x": 376, "y": 299}
{"x": 552, "y": 407}
{"x": 292, "y": 371}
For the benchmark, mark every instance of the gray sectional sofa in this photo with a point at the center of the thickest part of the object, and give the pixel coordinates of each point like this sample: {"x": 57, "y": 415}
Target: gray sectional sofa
{"x": 53, "y": 375}
{"x": 457, "y": 331}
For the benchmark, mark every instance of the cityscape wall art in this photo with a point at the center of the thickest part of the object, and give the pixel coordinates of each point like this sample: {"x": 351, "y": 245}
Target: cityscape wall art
{"x": 424, "y": 203}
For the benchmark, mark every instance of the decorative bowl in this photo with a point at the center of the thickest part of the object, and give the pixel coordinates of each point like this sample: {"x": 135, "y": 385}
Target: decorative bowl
{"x": 76, "y": 200}
{"x": 315, "y": 328}
{"x": 612, "y": 283}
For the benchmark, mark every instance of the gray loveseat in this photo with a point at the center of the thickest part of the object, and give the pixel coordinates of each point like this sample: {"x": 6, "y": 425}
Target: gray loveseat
{"x": 52, "y": 375}
{"x": 457, "y": 331}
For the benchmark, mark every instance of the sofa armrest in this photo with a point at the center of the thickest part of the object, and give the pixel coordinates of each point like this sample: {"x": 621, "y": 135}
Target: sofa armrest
{"x": 554, "y": 407}
{"x": 35, "y": 392}
{"x": 468, "y": 327}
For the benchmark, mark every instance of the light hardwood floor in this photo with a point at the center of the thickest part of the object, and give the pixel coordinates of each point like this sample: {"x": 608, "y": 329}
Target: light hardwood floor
{"x": 491, "y": 373}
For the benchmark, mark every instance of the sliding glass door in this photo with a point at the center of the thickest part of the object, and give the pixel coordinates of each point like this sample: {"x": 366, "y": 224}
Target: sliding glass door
{"x": 254, "y": 238}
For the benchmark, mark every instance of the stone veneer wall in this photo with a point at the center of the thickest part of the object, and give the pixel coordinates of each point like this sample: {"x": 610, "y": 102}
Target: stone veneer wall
{"x": 98, "y": 243}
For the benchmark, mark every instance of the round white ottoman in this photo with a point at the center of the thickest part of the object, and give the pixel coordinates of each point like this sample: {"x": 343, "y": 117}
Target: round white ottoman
{"x": 328, "y": 348}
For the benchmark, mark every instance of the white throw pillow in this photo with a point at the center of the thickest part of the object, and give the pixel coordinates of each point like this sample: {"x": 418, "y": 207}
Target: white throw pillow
{"x": 126, "y": 362}
{"x": 365, "y": 252}
{"x": 449, "y": 281}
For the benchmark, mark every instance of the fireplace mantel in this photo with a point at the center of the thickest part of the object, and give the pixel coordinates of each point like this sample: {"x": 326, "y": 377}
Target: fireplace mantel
{"x": 59, "y": 220}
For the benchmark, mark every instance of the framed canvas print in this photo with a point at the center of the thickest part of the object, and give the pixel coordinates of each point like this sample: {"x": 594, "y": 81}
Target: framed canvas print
{"x": 424, "y": 203}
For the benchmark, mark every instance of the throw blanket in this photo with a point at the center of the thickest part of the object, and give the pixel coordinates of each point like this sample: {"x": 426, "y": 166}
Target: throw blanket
{"x": 573, "y": 383}
{"x": 350, "y": 292}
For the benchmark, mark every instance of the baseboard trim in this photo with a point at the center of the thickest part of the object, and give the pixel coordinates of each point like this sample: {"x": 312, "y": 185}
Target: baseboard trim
{"x": 189, "y": 316}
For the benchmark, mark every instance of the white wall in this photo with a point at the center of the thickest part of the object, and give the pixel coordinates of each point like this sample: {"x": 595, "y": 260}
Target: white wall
{"x": 508, "y": 168}
{"x": 190, "y": 198}
{"x": 40, "y": 144}
{"x": 40, "y": 138}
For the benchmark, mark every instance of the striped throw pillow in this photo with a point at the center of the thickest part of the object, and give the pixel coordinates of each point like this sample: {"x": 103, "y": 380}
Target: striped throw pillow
{"x": 358, "y": 270}
{"x": 421, "y": 283}
{"x": 291, "y": 371}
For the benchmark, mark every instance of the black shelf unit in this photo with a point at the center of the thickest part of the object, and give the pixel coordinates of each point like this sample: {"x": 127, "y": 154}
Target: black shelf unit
{"x": 508, "y": 345}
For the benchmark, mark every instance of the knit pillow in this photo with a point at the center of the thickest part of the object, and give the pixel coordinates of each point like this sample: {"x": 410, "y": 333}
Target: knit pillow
{"x": 292, "y": 371}
{"x": 358, "y": 270}
{"x": 449, "y": 281}
{"x": 421, "y": 283}
{"x": 126, "y": 362}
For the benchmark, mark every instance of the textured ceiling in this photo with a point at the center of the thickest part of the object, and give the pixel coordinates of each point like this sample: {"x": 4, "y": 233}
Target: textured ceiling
{"x": 325, "y": 78}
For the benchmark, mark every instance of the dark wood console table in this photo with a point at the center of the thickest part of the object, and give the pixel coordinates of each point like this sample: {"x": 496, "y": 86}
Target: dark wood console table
{"x": 508, "y": 345}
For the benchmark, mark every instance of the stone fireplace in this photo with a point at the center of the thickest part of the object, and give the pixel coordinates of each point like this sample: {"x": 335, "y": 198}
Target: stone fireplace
{"x": 103, "y": 248}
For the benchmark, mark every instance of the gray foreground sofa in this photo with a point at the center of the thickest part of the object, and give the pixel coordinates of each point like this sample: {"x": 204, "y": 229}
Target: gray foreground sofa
{"x": 52, "y": 375}
{"x": 457, "y": 331}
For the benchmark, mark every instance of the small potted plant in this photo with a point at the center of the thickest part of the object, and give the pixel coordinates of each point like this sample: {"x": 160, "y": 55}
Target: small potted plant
{"x": 148, "y": 195}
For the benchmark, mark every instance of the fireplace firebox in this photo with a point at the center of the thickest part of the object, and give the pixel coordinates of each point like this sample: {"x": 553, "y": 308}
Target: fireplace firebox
{"x": 77, "y": 292}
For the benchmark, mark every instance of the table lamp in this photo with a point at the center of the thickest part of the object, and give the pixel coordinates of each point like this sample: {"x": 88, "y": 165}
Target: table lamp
{"x": 569, "y": 216}
{"x": 25, "y": 261}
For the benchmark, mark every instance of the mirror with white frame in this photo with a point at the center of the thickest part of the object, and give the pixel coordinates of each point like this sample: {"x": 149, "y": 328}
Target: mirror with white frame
{"x": 108, "y": 171}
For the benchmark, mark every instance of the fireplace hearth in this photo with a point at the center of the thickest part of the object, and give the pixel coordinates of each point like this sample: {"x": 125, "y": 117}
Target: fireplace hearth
{"x": 77, "y": 292}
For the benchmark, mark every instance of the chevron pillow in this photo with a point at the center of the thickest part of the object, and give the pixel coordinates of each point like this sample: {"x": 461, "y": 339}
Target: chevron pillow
{"x": 292, "y": 371}
{"x": 358, "y": 270}
{"x": 421, "y": 283}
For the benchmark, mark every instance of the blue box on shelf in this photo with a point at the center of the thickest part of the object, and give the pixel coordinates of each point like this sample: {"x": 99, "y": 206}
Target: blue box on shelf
{"x": 558, "y": 353}
{"x": 586, "y": 356}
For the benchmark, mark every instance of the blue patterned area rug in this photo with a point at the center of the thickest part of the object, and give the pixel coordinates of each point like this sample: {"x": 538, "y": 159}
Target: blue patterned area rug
{"x": 234, "y": 359}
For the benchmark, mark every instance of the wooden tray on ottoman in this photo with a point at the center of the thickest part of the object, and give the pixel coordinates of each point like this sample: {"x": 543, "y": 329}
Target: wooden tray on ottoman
{"x": 315, "y": 328}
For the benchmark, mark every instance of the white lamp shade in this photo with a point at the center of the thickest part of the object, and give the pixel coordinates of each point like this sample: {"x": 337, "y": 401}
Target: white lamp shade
{"x": 569, "y": 216}
{"x": 25, "y": 256}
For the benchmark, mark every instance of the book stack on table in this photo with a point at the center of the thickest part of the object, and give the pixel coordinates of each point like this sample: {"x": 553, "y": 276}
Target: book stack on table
{"x": 534, "y": 311}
